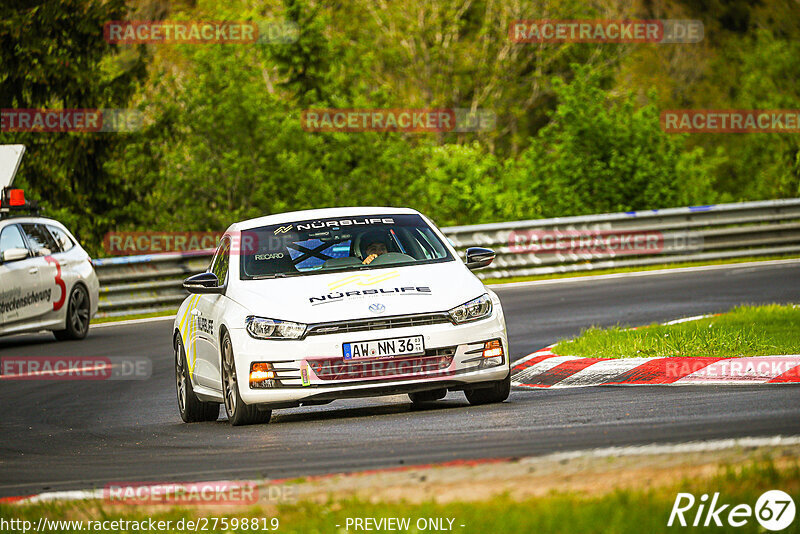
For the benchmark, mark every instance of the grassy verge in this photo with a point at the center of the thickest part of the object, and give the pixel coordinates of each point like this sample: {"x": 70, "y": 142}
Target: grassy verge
{"x": 745, "y": 331}
{"x": 165, "y": 313}
{"x": 634, "y": 269}
{"x": 619, "y": 511}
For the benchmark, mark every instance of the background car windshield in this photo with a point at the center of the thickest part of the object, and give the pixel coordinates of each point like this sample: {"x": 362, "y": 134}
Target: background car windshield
{"x": 339, "y": 244}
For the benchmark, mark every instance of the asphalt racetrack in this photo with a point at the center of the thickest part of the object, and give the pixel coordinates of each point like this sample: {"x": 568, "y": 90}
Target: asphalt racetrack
{"x": 58, "y": 435}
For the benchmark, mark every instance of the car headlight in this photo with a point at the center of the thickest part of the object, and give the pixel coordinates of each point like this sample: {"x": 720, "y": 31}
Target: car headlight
{"x": 263, "y": 328}
{"x": 473, "y": 310}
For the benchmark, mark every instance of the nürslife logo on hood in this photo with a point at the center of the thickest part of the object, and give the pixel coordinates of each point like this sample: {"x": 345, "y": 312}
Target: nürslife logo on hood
{"x": 341, "y": 296}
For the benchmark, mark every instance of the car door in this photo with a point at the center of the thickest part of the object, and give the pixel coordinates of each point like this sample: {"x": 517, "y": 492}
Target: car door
{"x": 22, "y": 293}
{"x": 205, "y": 322}
{"x": 65, "y": 258}
{"x": 45, "y": 249}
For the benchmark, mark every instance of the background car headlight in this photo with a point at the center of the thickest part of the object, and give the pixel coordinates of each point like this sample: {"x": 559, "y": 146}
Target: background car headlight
{"x": 473, "y": 310}
{"x": 263, "y": 328}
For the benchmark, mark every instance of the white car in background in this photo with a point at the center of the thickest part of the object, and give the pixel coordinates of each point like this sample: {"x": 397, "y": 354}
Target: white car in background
{"x": 47, "y": 281}
{"x": 307, "y": 307}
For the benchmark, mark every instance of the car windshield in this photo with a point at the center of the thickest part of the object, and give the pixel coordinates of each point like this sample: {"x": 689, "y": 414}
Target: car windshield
{"x": 338, "y": 244}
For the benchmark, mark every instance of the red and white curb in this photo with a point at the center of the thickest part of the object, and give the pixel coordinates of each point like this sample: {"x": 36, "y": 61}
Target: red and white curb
{"x": 546, "y": 369}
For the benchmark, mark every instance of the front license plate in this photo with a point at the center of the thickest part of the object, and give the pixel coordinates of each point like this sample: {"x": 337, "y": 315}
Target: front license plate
{"x": 384, "y": 348}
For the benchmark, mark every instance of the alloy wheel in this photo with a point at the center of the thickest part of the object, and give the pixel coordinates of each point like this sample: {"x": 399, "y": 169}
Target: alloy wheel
{"x": 229, "y": 377}
{"x": 79, "y": 307}
{"x": 180, "y": 379}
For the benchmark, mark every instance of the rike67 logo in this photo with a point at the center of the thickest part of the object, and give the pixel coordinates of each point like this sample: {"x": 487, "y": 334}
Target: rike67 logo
{"x": 774, "y": 510}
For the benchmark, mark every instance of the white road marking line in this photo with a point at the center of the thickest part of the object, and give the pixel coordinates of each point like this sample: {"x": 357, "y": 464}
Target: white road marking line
{"x": 76, "y": 495}
{"x": 688, "y": 319}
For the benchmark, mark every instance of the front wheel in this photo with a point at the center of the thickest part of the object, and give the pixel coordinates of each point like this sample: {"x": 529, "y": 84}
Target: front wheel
{"x": 497, "y": 392}
{"x": 77, "y": 324}
{"x": 192, "y": 409}
{"x": 239, "y": 413}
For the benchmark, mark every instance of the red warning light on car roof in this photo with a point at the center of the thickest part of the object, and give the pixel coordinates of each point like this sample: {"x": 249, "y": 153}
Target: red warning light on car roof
{"x": 16, "y": 197}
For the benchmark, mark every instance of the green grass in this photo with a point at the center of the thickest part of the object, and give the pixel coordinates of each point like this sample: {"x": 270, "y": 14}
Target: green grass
{"x": 618, "y": 511}
{"x": 745, "y": 331}
{"x": 165, "y": 313}
{"x": 616, "y": 270}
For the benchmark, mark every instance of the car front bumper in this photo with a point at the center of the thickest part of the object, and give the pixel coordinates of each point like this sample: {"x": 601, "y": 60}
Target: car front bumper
{"x": 314, "y": 370}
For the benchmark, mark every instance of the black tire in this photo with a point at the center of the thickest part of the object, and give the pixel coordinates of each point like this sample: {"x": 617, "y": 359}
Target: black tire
{"x": 498, "y": 392}
{"x": 78, "y": 310}
{"x": 192, "y": 409}
{"x": 420, "y": 397}
{"x": 238, "y": 412}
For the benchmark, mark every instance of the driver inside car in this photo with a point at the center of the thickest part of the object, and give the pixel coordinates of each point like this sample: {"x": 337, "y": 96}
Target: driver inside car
{"x": 375, "y": 246}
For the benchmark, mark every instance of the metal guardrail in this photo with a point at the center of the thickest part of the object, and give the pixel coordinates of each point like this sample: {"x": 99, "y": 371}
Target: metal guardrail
{"x": 151, "y": 283}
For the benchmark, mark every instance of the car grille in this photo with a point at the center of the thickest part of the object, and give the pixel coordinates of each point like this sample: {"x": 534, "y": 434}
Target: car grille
{"x": 361, "y": 325}
{"x": 340, "y": 369}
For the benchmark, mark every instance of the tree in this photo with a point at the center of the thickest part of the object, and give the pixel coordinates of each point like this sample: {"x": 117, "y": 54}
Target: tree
{"x": 604, "y": 154}
{"x": 54, "y": 56}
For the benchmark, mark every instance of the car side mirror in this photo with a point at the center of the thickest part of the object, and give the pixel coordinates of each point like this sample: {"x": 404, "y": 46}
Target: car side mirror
{"x": 203, "y": 283}
{"x": 14, "y": 254}
{"x": 478, "y": 257}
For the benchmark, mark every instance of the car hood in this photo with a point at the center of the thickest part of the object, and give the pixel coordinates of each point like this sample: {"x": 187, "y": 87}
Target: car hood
{"x": 359, "y": 294}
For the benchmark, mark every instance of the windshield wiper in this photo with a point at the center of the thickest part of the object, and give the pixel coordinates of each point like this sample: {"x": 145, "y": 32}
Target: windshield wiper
{"x": 276, "y": 275}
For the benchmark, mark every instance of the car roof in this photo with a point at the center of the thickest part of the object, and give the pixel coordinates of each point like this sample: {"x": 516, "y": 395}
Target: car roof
{"x": 14, "y": 219}
{"x": 323, "y": 213}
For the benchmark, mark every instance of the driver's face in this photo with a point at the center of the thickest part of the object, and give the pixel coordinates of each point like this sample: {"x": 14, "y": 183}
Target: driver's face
{"x": 376, "y": 248}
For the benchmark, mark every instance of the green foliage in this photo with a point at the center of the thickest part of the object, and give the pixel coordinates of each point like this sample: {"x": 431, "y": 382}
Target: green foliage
{"x": 767, "y": 165}
{"x": 232, "y": 147}
{"x": 604, "y": 154}
{"x": 53, "y": 56}
{"x": 459, "y": 184}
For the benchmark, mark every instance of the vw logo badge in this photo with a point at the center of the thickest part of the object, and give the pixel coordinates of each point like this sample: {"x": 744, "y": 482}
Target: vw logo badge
{"x": 377, "y": 308}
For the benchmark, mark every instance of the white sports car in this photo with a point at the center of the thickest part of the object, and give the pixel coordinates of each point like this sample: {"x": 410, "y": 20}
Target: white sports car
{"x": 307, "y": 307}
